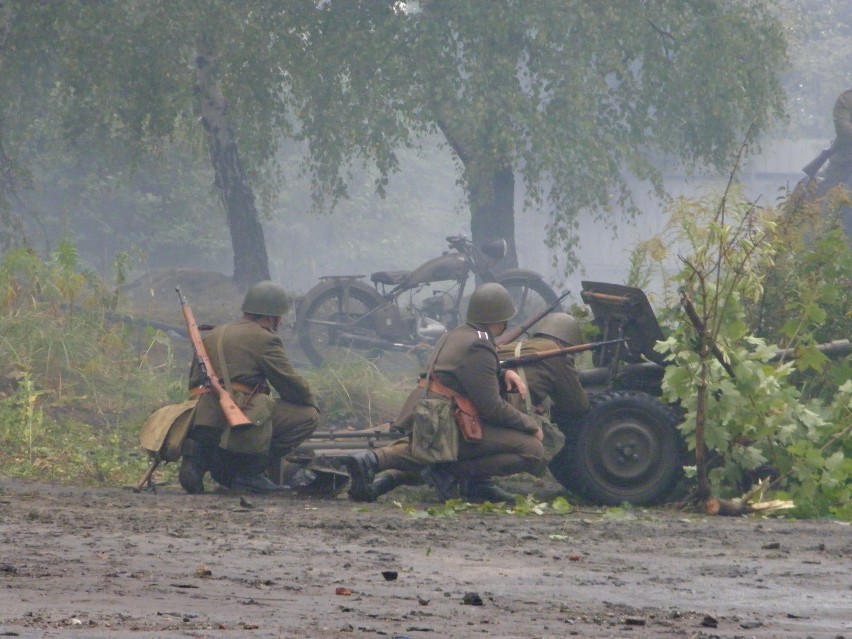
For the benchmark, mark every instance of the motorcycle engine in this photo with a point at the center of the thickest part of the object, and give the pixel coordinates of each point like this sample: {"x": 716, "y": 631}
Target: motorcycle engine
{"x": 436, "y": 306}
{"x": 429, "y": 330}
{"x": 431, "y": 324}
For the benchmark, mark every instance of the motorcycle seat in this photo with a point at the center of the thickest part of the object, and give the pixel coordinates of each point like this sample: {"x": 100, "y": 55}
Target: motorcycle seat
{"x": 389, "y": 278}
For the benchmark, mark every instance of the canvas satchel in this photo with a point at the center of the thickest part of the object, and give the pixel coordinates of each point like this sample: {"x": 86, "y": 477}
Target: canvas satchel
{"x": 434, "y": 434}
{"x": 164, "y": 431}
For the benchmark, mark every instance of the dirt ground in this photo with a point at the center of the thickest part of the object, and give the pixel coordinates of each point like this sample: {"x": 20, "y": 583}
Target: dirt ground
{"x": 113, "y": 563}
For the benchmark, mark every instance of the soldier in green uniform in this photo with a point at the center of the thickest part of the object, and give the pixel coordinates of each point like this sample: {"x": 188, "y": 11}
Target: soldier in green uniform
{"x": 248, "y": 355}
{"x": 466, "y": 362}
{"x": 839, "y": 170}
{"x": 553, "y": 384}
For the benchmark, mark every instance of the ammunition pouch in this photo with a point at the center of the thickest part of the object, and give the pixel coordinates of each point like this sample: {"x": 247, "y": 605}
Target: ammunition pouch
{"x": 254, "y": 439}
{"x": 434, "y": 435}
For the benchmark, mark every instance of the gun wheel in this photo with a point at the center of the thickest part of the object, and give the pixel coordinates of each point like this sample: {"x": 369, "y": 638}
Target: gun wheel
{"x": 627, "y": 448}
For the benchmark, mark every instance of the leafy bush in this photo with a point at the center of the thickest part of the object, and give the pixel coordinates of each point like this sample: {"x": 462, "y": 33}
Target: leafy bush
{"x": 757, "y": 280}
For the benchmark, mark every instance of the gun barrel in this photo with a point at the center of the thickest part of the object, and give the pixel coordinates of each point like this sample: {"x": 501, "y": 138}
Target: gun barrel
{"x": 835, "y": 350}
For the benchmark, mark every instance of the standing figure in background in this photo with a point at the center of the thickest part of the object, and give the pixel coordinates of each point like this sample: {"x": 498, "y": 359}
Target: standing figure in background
{"x": 839, "y": 170}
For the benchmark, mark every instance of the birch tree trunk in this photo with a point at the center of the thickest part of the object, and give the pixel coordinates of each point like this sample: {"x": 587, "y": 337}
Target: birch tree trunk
{"x": 251, "y": 261}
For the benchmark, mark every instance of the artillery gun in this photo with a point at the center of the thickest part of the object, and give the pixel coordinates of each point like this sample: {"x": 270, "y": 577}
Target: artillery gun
{"x": 627, "y": 447}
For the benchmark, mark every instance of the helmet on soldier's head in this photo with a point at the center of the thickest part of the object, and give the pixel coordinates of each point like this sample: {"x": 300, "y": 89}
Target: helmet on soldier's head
{"x": 490, "y": 304}
{"x": 266, "y": 298}
{"x": 562, "y": 326}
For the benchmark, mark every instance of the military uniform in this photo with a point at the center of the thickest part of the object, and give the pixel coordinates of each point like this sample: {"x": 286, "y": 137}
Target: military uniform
{"x": 839, "y": 167}
{"x": 467, "y": 363}
{"x": 553, "y": 383}
{"x": 839, "y": 170}
{"x": 254, "y": 361}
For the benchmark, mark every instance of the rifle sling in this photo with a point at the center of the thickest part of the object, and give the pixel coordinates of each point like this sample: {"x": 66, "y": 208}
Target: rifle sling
{"x": 230, "y": 386}
{"x": 235, "y": 386}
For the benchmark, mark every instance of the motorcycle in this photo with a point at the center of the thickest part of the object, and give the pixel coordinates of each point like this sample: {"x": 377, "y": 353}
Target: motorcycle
{"x": 402, "y": 311}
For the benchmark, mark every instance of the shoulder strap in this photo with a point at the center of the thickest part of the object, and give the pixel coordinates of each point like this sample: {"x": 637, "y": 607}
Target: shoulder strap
{"x": 223, "y": 367}
{"x": 523, "y": 376}
{"x": 432, "y": 359}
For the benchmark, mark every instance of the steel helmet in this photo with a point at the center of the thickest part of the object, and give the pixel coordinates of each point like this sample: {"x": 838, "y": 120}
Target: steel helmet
{"x": 562, "y": 326}
{"x": 489, "y": 304}
{"x": 266, "y": 298}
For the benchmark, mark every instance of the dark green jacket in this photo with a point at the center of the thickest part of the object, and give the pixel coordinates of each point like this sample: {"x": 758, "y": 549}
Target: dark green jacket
{"x": 554, "y": 378}
{"x": 252, "y": 354}
{"x": 468, "y": 364}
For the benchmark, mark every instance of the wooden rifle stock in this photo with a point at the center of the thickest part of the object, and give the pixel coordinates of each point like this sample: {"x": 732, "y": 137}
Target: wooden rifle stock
{"x": 233, "y": 413}
{"x": 512, "y": 334}
{"x": 521, "y": 360}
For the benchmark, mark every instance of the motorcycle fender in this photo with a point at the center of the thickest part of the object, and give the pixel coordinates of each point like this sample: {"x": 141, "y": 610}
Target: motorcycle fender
{"x": 323, "y": 286}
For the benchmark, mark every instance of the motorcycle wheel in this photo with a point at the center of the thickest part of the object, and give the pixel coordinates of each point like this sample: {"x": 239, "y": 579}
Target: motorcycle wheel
{"x": 343, "y": 305}
{"x": 626, "y": 448}
{"x": 531, "y": 296}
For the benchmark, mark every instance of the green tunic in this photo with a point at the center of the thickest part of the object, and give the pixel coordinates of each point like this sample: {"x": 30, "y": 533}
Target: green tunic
{"x": 251, "y": 355}
{"x": 553, "y": 381}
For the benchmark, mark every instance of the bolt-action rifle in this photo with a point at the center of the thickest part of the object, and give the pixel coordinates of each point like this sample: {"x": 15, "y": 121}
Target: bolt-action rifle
{"x": 531, "y": 358}
{"x": 210, "y": 380}
{"x": 514, "y": 333}
{"x": 812, "y": 168}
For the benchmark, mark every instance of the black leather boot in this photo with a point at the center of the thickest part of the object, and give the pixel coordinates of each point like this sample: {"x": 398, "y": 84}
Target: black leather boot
{"x": 194, "y": 464}
{"x": 480, "y": 490}
{"x": 362, "y": 468}
{"x": 249, "y": 472}
{"x": 259, "y": 484}
{"x": 439, "y": 477}
{"x": 385, "y": 483}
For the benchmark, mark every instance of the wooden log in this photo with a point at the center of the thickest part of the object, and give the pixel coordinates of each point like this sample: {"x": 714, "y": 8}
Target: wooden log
{"x": 725, "y": 507}
{"x": 737, "y": 508}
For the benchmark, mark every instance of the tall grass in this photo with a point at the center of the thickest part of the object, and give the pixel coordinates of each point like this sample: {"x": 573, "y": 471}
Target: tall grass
{"x": 76, "y": 385}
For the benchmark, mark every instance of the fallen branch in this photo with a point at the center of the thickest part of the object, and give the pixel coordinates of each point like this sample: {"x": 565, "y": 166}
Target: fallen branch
{"x": 737, "y": 507}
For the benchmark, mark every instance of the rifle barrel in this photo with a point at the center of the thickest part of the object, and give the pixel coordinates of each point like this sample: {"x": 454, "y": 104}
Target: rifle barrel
{"x": 555, "y": 352}
{"x": 514, "y": 333}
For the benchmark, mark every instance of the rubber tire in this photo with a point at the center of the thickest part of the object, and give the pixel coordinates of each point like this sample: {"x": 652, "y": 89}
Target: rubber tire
{"x": 531, "y": 295}
{"x": 310, "y": 336}
{"x": 592, "y": 463}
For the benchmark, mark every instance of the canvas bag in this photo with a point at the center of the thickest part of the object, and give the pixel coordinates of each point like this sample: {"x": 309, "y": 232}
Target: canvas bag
{"x": 434, "y": 434}
{"x": 164, "y": 431}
